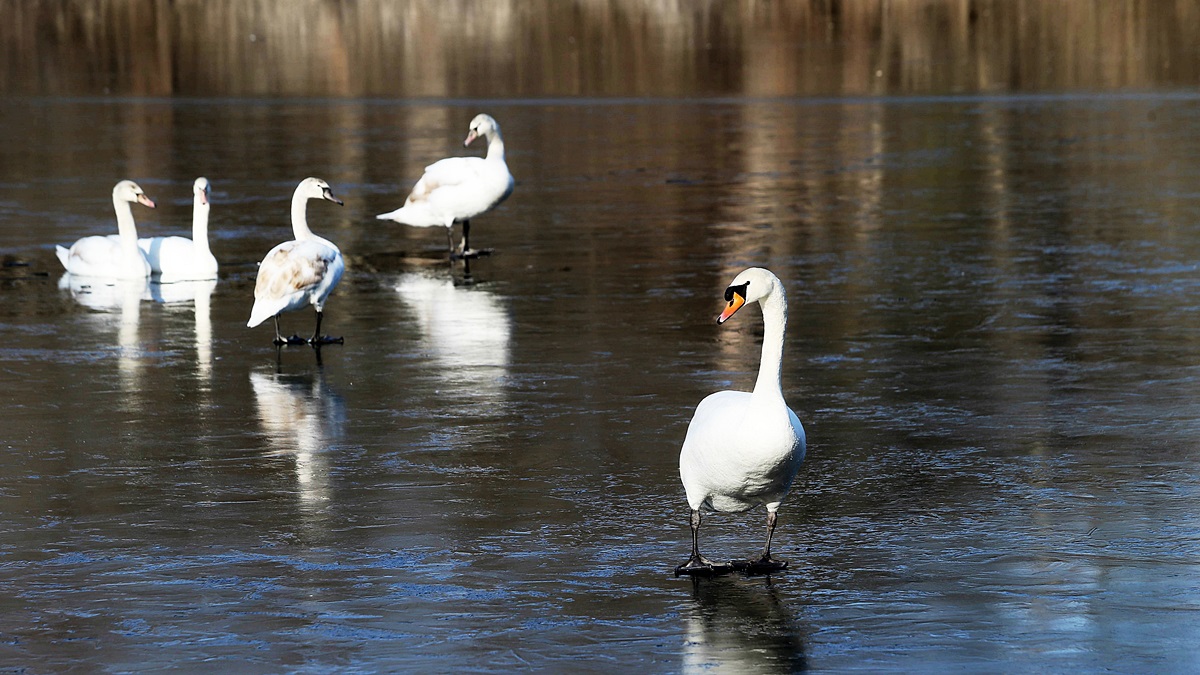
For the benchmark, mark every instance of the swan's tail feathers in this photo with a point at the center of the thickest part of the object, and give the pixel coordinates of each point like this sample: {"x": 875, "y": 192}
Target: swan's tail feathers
{"x": 392, "y": 215}
{"x": 261, "y": 312}
{"x": 64, "y": 256}
{"x": 414, "y": 216}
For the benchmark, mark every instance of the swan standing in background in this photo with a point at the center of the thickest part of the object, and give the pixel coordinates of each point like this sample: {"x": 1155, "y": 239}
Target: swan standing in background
{"x": 179, "y": 258}
{"x": 300, "y": 272}
{"x": 115, "y": 256}
{"x": 743, "y": 449}
{"x": 457, "y": 189}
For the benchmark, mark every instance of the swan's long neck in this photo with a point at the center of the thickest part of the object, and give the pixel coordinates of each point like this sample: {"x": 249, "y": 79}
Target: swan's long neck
{"x": 495, "y": 149}
{"x": 300, "y": 217}
{"x": 774, "y": 311}
{"x": 125, "y": 227}
{"x": 200, "y": 226}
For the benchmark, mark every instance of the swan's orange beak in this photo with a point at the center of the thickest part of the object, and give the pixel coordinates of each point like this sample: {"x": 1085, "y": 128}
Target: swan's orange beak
{"x": 203, "y": 197}
{"x": 470, "y": 138}
{"x": 735, "y": 303}
{"x": 145, "y": 201}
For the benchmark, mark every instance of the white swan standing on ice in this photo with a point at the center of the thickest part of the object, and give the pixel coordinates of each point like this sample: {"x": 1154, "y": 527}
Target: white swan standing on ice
{"x": 299, "y": 272}
{"x": 456, "y": 189}
{"x": 114, "y": 256}
{"x": 179, "y": 258}
{"x": 743, "y": 449}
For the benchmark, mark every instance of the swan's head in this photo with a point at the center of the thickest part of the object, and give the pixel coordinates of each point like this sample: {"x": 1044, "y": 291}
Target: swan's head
{"x": 128, "y": 191}
{"x": 482, "y": 125}
{"x": 752, "y": 285}
{"x": 200, "y": 190}
{"x": 315, "y": 188}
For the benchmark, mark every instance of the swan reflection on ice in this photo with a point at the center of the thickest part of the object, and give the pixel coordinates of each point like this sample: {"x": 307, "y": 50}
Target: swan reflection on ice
{"x": 104, "y": 294}
{"x": 739, "y": 627}
{"x": 300, "y": 417}
{"x": 199, "y": 293}
{"x": 465, "y": 330}
{"x": 117, "y": 302}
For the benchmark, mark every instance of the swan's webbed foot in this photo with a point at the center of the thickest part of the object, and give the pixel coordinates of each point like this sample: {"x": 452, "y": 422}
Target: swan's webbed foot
{"x": 470, "y": 254}
{"x": 764, "y": 565}
{"x": 324, "y": 340}
{"x": 294, "y": 340}
{"x": 699, "y": 566}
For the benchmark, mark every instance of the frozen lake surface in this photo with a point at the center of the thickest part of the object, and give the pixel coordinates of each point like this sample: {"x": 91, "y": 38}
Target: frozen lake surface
{"x": 994, "y": 345}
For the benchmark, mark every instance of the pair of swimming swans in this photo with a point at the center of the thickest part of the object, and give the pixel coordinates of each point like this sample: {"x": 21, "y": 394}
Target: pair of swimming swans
{"x": 124, "y": 256}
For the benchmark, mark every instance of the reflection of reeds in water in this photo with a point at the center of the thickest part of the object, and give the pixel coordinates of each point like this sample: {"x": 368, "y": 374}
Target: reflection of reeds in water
{"x": 626, "y": 47}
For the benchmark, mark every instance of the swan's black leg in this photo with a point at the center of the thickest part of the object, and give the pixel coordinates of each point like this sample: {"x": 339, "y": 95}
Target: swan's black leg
{"x": 698, "y": 565}
{"x": 280, "y": 340}
{"x": 464, "y": 246}
{"x": 765, "y": 564}
{"x": 318, "y": 339}
{"x": 464, "y": 250}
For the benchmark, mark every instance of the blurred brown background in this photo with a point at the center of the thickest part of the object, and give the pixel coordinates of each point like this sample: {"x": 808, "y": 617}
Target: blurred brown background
{"x": 535, "y": 48}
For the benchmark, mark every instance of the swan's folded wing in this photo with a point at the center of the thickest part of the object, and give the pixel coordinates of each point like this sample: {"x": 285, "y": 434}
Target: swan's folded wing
{"x": 292, "y": 267}
{"x": 445, "y": 173}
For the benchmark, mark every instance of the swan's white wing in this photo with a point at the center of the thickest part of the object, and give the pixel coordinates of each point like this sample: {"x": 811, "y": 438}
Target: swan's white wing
{"x": 289, "y": 273}
{"x": 178, "y": 259}
{"x": 103, "y": 256}
{"x": 446, "y": 173}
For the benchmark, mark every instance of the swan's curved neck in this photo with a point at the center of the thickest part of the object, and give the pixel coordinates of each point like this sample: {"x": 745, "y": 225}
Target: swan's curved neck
{"x": 774, "y": 311}
{"x": 300, "y": 217}
{"x": 495, "y": 149}
{"x": 200, "y": 226}
{"x": 125, "y": 226}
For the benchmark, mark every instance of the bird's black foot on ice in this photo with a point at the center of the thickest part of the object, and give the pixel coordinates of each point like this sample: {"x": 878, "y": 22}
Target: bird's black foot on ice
{"x": 470, "y": 254}
{"x": 294, "y": 340}
{"x": 764, "y": 565}
{"x": 325, "y": 340}
{"x": 699, "y": 566}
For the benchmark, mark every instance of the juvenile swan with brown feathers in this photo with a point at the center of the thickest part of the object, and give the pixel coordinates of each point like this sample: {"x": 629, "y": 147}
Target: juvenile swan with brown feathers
{"x": 299, "y": 272}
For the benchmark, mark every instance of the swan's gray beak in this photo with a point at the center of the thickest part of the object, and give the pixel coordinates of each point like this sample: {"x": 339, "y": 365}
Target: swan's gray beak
{"x": 328, "y": 194}
{"x": 470, "y": 138}
{"x": 145, "y": 201}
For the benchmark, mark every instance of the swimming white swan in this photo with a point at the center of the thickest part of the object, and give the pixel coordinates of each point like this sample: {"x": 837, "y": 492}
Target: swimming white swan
{"x": 300, "y": 272}
{"x": 457, "y": 189}
{"x": 179, "y": 258}
{"x": 743, "y": 449}
{"x": 114, "y": 256}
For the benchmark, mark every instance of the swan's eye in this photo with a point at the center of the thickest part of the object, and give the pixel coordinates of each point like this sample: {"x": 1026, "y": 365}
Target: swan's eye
{"x": 736, "y": 290}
